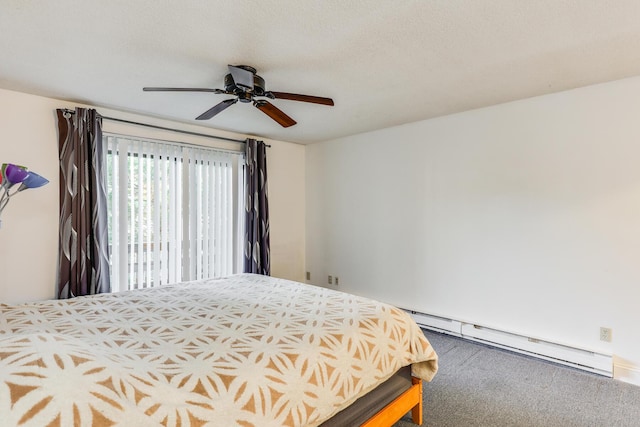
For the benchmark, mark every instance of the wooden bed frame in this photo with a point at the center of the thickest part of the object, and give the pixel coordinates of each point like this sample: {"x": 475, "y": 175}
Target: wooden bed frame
{"x": 410, "y": 400}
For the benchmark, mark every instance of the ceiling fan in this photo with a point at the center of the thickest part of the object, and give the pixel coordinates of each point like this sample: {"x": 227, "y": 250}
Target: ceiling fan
{"x": 243, "y": 82}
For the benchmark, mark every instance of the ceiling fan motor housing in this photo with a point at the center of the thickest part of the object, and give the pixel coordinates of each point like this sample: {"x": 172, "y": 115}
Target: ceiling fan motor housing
{"x": 258, "y": 87}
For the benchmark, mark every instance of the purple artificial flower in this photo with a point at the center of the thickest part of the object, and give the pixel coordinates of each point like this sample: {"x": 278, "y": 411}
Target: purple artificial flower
{"x": 15, "y": 174}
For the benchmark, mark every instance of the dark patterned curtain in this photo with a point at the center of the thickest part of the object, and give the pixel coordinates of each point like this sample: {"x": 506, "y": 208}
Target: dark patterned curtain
{"x": 83, "y": 260}
{"x": 256, "y": 250}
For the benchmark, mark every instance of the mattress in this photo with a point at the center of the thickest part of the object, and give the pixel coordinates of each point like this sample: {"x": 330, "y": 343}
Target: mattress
{"x": 371, "y": 403}
{"x": 245, "y": 350}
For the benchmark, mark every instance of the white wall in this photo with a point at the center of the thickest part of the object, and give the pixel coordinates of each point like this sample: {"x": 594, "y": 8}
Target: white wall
{"x": 523, "y": 216}
{"x": 286, "y": 178}
{"x": 28, "y": 236}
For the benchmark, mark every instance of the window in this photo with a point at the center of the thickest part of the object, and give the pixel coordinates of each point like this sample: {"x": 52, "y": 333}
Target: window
{"x": 173, "y": 212}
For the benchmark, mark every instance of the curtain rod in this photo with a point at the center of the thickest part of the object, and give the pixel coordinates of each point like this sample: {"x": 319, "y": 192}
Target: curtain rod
{"x": 166, "y": 128}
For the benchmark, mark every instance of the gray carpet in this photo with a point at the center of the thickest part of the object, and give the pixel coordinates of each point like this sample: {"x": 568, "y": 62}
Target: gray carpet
{"x": 478, "y": 385}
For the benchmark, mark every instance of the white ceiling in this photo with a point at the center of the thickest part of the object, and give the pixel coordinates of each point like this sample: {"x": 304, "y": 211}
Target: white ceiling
{"x": 384, "y": 62}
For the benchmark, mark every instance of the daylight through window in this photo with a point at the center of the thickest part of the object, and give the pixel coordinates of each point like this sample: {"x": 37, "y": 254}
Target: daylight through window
{"x": 173, "y": 211}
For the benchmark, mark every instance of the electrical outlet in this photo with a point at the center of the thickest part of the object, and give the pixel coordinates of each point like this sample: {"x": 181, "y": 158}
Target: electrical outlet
{"x": 330, "y": 280}
{"x": 308, "y": 275}
{"x": 605, "y": 334}
{"x": 337, "y": 281}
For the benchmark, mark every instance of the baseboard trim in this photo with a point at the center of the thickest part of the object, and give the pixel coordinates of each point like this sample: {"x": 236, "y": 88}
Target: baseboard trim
{"x": 626, "y": 373}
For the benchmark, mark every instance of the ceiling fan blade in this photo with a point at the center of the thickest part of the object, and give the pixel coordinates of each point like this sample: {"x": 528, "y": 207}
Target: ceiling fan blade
{"x": 181, "y": 89}
{"x": 275, "y": 113}
{"x": 241, "y": 77}
{"x": 216, "y": 109}
{"x": 303, "y": 98}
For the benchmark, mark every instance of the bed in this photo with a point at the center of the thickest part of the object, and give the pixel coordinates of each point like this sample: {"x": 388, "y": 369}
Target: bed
{"x": 245, "y": 350}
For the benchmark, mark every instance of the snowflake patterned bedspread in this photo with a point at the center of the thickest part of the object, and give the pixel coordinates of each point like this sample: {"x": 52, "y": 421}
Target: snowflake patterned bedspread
{"x": 245, "y": 350}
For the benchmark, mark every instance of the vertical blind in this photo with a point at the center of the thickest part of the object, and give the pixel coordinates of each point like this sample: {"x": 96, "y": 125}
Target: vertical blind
{"x": 173, "y": 212}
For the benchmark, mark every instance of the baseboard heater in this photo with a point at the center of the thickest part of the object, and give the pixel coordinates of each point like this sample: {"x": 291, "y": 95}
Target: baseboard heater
{"x": 586, "y": 360}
